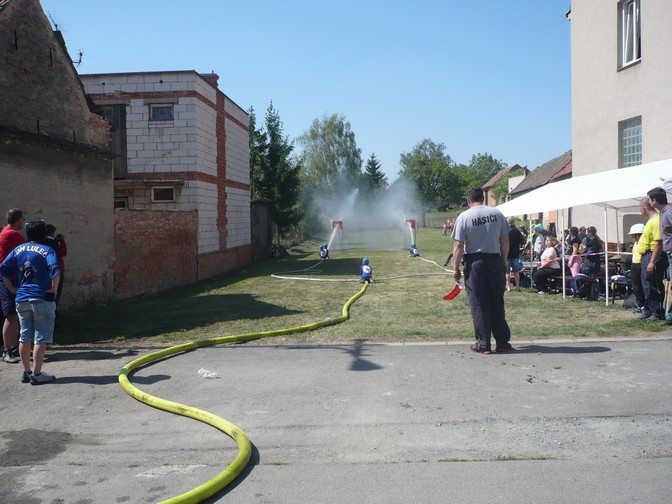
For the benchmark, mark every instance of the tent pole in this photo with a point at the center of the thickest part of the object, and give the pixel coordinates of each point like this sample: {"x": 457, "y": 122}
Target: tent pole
{"x": 606, "y": 258}
{"x": 618, "y": 234}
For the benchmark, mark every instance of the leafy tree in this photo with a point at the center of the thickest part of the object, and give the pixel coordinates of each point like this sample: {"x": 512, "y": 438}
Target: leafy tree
{"x": 501, "y": 188}
{"x": 431, "y": 169}
{"x": 274, "y": 173}
{"x": 330, "y": 157}
{"x": 376, "y": 180}
{"x": 480, "y": 169}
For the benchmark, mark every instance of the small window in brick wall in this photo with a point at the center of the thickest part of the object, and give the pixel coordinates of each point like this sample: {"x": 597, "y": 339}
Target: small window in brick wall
{"x": 163, "y": 194}
{"x": 120, "y": 202}
{"x": 161, "y": 112}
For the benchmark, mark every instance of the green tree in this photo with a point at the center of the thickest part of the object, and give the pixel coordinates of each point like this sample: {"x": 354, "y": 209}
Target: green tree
{"x": 275, "y": 175}
{"x": 480, "y": 169}
{"x": 376, "y": 180}
{"x": 501, "y": 188}
{"x": 258, "y": 149}
{"x": 430, "y": 168}
{"x": 331, "y": 159}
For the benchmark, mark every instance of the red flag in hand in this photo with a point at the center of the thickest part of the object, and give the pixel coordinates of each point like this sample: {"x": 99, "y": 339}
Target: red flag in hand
{"x": 453, "y": 294}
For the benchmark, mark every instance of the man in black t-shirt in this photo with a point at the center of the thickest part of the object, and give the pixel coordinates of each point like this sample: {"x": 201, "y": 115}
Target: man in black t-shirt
{"x": 516, "y": 240}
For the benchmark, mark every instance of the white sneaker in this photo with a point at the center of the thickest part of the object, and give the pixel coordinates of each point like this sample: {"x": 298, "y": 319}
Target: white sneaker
{"x": 11, "y": 356}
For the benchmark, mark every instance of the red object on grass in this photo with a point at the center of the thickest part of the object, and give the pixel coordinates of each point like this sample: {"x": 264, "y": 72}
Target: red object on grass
{"x": 453, "y": 294}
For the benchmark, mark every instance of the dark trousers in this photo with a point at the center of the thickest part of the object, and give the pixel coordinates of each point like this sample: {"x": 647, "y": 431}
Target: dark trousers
{"x": 636, "y": 281}
{"x": 541, "y": 276}
{"x": 485, "y": 283}
{"x": 652, "y": 283}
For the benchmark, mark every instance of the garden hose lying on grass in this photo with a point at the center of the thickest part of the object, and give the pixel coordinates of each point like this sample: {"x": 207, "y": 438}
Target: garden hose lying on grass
{"x": 215, "y": 484}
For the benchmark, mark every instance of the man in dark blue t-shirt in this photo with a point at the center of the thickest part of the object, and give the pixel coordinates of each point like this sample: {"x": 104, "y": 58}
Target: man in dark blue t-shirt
{"x": 36, "y": 268}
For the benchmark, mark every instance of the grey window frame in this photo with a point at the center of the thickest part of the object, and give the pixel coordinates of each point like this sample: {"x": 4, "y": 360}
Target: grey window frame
{"x": 629, "y": 31}
{"x": 163, "y": 188}
{"x": 158, "y": 106}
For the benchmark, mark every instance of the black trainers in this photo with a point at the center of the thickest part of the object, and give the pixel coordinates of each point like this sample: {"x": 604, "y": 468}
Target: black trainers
{"x": 39, "y": 379}
{"x": 478, "y": 349}
{"x": 504, "y": 348}
{"x": 25, "y": 377}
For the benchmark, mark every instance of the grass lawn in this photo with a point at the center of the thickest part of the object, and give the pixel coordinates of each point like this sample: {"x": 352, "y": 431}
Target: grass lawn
{"x": 403, "y": 304}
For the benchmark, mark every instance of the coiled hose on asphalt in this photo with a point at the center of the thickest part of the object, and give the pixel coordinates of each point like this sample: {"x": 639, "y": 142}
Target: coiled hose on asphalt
{"x": 214, "y": 485}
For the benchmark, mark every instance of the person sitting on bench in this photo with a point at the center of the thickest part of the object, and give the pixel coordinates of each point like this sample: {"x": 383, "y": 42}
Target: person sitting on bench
{"x": 549, "y": 266}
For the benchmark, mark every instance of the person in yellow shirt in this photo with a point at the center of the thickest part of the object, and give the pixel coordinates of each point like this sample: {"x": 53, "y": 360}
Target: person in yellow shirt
{"x": 650, "y": 246}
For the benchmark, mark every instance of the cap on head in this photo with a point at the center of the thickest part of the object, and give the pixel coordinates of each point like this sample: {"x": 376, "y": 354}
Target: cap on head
{"x": 582, "y": 228}
{"x": 538, "y": 227}
{"x": 365, "y": 261}
{"x": 636, "y": 229}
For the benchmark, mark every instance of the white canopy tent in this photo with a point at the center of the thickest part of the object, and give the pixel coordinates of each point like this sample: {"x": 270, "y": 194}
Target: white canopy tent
{"x": 618, "y": 189}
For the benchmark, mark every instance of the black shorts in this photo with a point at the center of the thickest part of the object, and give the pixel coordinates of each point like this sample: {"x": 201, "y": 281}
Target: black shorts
{"x": 7, "y": 300}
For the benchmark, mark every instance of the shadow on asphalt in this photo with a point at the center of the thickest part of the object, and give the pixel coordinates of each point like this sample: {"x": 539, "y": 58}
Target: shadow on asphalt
{"x": 560, "y": 349}
{"x": 108, "y": 379}
{"x": 55, "y": 355}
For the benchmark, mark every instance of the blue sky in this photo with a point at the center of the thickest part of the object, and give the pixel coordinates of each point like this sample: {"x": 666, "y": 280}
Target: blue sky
{"x": 478, "y": 76}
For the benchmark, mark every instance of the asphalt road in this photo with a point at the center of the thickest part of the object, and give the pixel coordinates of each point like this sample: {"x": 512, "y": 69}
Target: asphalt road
{"x": 553, "y": 422}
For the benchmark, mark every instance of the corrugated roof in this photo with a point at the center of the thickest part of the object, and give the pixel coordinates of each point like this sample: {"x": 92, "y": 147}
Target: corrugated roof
{"x": 541, "y": 175}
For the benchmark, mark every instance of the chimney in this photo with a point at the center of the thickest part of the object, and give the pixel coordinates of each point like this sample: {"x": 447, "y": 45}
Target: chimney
{"x": 211, "y": 78}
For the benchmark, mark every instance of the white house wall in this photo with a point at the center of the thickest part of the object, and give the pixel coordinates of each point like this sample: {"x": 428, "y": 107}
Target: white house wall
{"x": 238, "y": 217}
{"x": 603, "y": 95}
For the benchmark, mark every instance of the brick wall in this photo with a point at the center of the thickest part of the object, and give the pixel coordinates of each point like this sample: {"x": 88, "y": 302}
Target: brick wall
{"x": 216, "y": 263}
{"x": 155, "y": 250}
{"x": 70, "y": 188}
{"x": 41, "y": 92}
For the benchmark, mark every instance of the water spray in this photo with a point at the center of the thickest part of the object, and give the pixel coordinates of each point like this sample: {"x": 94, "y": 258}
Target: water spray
{"x": 411, "y": 225}
{"x": 336, "y": 229}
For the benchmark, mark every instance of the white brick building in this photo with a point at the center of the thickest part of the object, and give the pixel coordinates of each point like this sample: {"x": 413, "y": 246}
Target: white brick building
{"x": 182, "y": 145}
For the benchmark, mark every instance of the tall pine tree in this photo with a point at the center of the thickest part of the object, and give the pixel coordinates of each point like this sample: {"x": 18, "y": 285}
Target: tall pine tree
{"x": 376, "y": 180}
{"x": 274, "y": 173}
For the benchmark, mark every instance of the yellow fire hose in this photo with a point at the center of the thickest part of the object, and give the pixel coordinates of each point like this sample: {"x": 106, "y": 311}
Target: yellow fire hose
{"x": 225, "y": 477}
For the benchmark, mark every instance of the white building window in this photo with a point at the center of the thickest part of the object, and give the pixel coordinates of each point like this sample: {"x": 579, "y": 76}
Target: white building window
{"x": 163, "y": 194}
{"x": 630, "y": 39}
{"x": 161, "y": 112}
{"x": 631, "y": 142}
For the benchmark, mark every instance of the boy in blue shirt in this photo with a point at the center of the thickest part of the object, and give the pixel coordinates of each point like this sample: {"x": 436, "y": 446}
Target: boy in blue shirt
{"x": 366, "y": 271}
{"x": 36, "y": 267}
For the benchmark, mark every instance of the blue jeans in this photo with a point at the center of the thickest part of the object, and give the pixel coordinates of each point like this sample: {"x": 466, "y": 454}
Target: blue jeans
{"x": 36, "y": 317}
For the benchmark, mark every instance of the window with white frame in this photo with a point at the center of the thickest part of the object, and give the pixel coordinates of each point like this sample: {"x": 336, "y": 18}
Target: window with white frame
{"x": 631, "y": 142}
{"x": 161, "y": 112}
{"x": 630, "y": 39}
{"x": 163, "y": 194}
